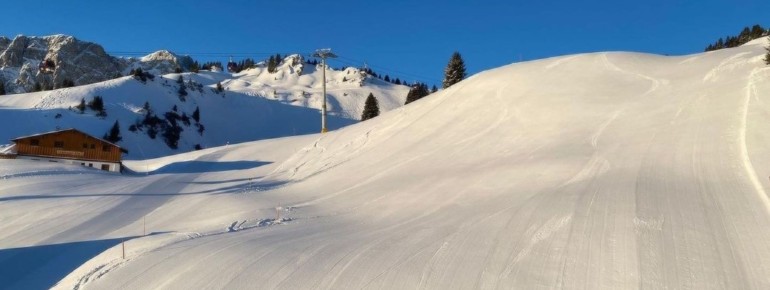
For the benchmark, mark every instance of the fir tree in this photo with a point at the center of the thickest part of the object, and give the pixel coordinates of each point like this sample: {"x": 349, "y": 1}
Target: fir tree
{"x": 433, "y": 89}
{"x": 2, "y": 88}
{"x": 182, "y": 92}
{"x": 195, "y": 67}
{"x": 371, "y": 108}
{"x": 139, "y": 75}
{"x": 114, "y": 135}
{"x": 96, "y": 104}
{"x": 185, "y": 119}
{"x": 455, "y": 70}
{"x": 418, "y": 91}
{"x": 171, "y": 135}
{"x": 197, "y": 115}
{"x": 271, "y": 64}
{"x": 82, "y": 106}
{"x": 147, "y": 109}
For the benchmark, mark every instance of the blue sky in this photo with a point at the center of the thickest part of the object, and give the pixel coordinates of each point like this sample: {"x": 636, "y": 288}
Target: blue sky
{"x": 411, "y": 40}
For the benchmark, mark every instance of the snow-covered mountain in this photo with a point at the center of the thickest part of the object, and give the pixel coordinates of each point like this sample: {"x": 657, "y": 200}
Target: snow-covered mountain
{"x": 75, "y": 60}
{"x": 591, "y": 171}
{"x": 253, "y": 105}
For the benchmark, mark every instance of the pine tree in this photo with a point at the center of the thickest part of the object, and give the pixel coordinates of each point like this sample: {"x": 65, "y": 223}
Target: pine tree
{"x": 96, "y": 104}
{"x": 195, "y": 67}
{"x": 114, "y": 135}
{"x": 271, "y": 64}
{"x": 147, "y": 109}
{"x": 455, "y": 70}
{"x": 371, "y": 108}
{"x": 196, "y": 115}
{"x": 2, "y": 88}
{"x": 139, "y": 75}
{"x": 182, "y": 92}
{"x": 82, "y": 106}
{"x": 433, "y": 89}
{"x": 418, "y": 91}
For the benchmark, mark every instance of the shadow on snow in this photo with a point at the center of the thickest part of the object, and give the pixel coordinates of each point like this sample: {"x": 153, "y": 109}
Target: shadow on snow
{"x": 196, "y": 166}
{"x": 40, "y": 267}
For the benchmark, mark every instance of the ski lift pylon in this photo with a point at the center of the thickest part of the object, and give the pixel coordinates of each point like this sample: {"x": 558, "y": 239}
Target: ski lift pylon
{"x": 231, "y": 65}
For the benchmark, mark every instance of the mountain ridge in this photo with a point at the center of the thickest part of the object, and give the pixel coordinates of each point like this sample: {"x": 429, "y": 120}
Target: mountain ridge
{"x": 81, "y": 62}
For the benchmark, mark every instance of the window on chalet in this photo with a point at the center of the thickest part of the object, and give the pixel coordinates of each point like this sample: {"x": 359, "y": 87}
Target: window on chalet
{"x": 85, "y": 145}
{"x": 34, "y": 142}
{"x": 106, "y": 148}
{"x": 93, "y": 146}
{"x": 58, "y": 144}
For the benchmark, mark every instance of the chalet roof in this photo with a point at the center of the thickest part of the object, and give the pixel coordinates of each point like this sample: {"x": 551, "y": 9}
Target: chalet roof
{"x": 61, "y": 131}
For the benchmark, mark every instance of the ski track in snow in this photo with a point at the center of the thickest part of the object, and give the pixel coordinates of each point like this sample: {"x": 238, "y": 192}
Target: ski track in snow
{"x": 552, "y": 183}
{"x": 105, "y": 268}
{"x": 751, "y": 91}
{"x": 726, "y": 64}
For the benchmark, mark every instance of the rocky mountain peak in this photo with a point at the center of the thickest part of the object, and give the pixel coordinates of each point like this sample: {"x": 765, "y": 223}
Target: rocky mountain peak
{"x": 80, "y": 62}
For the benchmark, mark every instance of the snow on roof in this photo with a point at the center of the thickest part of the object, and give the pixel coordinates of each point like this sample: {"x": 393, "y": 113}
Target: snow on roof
{"x": 59, "y": 131}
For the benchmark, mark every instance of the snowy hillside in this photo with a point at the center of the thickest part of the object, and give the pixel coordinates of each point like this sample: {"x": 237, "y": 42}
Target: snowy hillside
{"x": 254, "y": 105}
{"x": 300, "y": 84}
{"x": 592, "y": 171}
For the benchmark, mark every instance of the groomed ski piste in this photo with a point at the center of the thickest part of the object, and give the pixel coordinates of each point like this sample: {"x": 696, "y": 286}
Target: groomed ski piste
{"x": 595, "y": 171}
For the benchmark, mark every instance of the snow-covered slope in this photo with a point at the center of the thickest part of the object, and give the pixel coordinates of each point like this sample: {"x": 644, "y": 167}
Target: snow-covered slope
{"x": 593, "y": 171}
{"x": 254, "y": 105}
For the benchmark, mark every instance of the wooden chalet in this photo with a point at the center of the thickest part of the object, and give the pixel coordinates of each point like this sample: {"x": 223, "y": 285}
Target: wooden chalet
{"x": 70, "y": 146}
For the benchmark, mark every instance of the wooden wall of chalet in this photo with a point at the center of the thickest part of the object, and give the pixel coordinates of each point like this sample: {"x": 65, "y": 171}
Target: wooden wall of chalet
{"x": 75, "y": 145}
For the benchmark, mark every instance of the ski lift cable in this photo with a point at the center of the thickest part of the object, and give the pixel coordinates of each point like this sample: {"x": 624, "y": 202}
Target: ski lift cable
{"x": 212, "y": 54}
{"x": 385, "y": 69}
{"x": 356, "y": 64}
{"x": 340, "y": 59}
